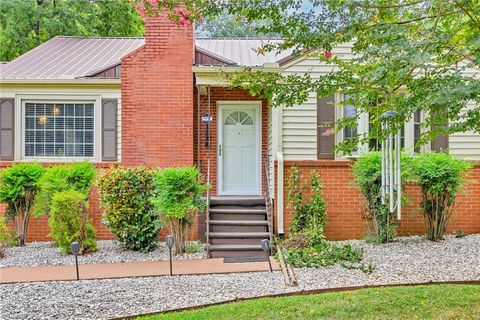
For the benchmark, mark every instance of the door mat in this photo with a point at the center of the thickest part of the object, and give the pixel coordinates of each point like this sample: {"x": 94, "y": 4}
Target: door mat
{"x": 245, "y": 259}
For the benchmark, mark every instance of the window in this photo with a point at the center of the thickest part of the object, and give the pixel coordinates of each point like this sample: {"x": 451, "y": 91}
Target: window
{"x": 349, "y": 111}
{"x": 416, "y": 131}
{"x": 59, "y": 130}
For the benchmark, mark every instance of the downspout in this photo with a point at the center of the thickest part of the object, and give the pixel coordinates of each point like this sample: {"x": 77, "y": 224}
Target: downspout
{"x": 280, "y": 168}
{"x": 198, "y": 128}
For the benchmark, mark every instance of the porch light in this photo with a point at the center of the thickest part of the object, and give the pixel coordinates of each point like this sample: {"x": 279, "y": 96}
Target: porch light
{"x": 75, "y": 247}
{"x": 170, "y": 241}
{"x": 266, "y": 249}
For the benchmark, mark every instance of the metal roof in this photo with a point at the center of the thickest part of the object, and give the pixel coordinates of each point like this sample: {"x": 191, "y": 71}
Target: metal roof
{"x": 69, "y": 58}
{"x": 76, "y": 57}
{"x": 242, "y": 51}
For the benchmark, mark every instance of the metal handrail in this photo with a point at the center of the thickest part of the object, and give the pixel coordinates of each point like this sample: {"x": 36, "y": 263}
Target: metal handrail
{"x": 207, "y": 211}
{"x": 268, "y": 199}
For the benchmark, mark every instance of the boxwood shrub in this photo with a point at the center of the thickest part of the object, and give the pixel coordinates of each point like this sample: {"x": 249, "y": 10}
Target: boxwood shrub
{"x": 440, "y": 176}
{"x": 57, "y": 178}
{"x": 69, "y": 221}
{"x": 126, "y": 196}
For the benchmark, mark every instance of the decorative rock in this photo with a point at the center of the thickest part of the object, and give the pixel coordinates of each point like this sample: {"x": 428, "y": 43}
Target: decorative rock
{"x": 44, "y": 253}
{"x": 409, "y": 259}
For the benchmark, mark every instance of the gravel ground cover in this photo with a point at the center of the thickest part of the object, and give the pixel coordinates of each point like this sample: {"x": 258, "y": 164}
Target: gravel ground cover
{"x": 44, "y": 253}
{"x": 409, "y": 259}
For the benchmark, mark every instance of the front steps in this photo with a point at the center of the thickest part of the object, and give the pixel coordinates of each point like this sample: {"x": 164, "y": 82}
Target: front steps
{"x": 236, "y": 226}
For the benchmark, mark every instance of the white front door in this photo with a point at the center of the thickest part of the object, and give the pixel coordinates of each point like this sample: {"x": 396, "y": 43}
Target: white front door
{"x": 238, "y": 148}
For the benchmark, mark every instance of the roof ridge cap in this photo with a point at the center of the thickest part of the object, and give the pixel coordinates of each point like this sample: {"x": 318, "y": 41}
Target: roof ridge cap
{"x": 97, "y": 37}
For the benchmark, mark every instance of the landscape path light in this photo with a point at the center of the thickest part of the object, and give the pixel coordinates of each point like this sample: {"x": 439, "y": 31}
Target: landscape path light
{"x": 75, "y": 247}
{"x": 170, "y": 241}
{"x": 266, "y": 248}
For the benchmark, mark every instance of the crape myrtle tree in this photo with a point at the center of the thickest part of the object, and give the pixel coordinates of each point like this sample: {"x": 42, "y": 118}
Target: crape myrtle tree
{"x": 408, "y": 55}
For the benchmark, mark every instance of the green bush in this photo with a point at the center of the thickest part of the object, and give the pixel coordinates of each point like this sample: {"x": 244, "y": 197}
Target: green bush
{"x": 6, "y": 236}
{"x": 310, "y": 213}
{"x": 440, "y": 177}
{"x": 126, "y": 197}
{"x": 367, "y": 172}
{"x": 57, "y": 178}
{"x": 179, "y": 198}
{"x": 19, "y": 184}
{"x": 69, "y": 222}
{"x": 305, "y": 244}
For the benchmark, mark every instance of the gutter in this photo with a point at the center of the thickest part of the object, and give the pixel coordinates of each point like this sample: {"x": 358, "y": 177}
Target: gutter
{"x": 267, "y": 67}
{"x": 85, "y": 81}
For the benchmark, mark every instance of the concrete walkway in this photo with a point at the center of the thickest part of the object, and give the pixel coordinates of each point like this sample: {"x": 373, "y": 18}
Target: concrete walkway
{"x": 129, "y": 269}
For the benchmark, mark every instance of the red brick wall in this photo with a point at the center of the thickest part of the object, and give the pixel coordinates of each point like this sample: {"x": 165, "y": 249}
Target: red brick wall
{"x": 345, "y": 210}
{"x": 157, "y": 109}
{"x": 157, "y": 97}
{"x": 221, "y": 94}
{"x": 38, "y": 228}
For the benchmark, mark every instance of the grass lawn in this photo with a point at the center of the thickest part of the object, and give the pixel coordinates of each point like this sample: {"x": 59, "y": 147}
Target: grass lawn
{"x": 420, "y": 302}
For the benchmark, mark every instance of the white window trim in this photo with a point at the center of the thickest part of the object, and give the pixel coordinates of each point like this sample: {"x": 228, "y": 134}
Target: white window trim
{"x": 20, "y": 101}
{"x": 363, "y": 127}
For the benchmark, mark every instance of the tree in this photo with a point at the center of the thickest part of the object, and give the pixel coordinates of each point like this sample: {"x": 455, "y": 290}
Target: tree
{"x": 228, "y": 26}
{"x": 423, "y": 48}
{"x": 179, "y": 198}
{"x": 19, "y": 184}
{"x": 25, "y": 24}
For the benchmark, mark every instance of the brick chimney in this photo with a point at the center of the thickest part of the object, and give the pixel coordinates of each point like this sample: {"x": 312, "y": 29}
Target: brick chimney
{"x": 157, "y": 97}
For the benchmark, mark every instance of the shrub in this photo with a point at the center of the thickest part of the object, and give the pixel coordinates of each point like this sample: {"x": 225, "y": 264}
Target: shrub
{"x": 179, "y": 198}
{"x": 367, "y": 172}
{"x": 6, "y": 236}
{"x": 19, "y": 185}
{"x": 58, "y": 178}
{"x": 193, "y": 247}
{"x": 305, "y": 244}
{"x": 69, "y": 221}
{"x": 440, "y": 177}
{"x": 310, "y": 214}
{"x": 126, "y": 197}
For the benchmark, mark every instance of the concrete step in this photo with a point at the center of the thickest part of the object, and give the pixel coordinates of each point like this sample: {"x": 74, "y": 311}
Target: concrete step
{"x": 233, "y": 253}
{"x": 238, "y": 247}
{"x": 235, "y": 241}
{"x": 227, "y": 228}
{"x": 238, "y": 223}
{"x": 238, "y": 226}
{"x": 243, "y": 201}
{"x": 238, "y": 214}
{"x": 237, "y": 217}
{"x": 230, "y": 250}
{"x": 239, "y": 235}
{"x": 236, "y": 210}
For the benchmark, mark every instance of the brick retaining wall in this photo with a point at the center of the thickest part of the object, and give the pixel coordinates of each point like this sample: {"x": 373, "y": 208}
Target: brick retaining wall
{"x": 345, "y": 210}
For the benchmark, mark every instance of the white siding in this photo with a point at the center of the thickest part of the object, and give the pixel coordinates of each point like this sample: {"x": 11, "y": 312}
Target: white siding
{"x": 299, "y": 134}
